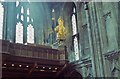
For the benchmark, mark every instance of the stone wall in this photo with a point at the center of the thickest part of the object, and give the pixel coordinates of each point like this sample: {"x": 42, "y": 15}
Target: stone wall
{"x": 103, "y": 34}
{"x": 98, "y": 29}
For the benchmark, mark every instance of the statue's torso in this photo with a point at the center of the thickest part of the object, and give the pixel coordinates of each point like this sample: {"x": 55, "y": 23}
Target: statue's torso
{"x": 61, "y": 32}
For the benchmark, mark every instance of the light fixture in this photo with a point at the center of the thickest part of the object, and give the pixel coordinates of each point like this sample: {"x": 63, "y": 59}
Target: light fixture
{"x": 26, "y": 43}
{"x": 37, "y": 67}
{"x": 49, "y": 67}
{"x": 55, "y": 68}
{"x": 12, "y": 64}
{"x": 43, "y": 67}
{"x": 5, "y": 64}
{"x": 42, "y": 70}
{"x": 20, "y": 65}
{"x": 27, "y": 66}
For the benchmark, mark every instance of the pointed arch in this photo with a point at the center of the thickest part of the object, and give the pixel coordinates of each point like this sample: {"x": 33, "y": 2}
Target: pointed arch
{"x": 30, "y": 34}
{"x": 1, "y": 20}
{"x": 28, "y": 11}
{"x": 75, "y": 39}
{"x": 28, "y": 18}
{"x": 17, "y": 3}
{"x": 22, "y": 9}
{"x": 19, "y": 33}
{"x": 74, "y": 24}
{"x": 22, "y": 18}
{"x": 17, "y": 16}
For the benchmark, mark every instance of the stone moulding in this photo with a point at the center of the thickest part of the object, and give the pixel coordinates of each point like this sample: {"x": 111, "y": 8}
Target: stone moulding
{"x": 112, "y": 55}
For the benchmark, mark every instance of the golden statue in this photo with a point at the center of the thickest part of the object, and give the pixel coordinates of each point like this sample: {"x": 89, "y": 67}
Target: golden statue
{"x": 60, "y": 30}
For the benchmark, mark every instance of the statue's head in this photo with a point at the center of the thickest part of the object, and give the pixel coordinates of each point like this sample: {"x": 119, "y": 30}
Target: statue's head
{"x": 60, "y": 21}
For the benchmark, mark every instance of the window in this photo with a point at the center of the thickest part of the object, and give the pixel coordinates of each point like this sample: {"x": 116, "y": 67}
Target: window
{"x": 30, "y": 34}
{"x": 28, "y": 11}
{"x": 22, "y": 18}
{"x": 76, "y": 48}
{"x": 22, "y": 10}
{"x": 32, "y": 19}
{"x": 74, "y": 10}
{"x": 75, "y": 39}
{"x": 74, "y": 24}
{"x": 19, "y": 33}
{"x": 28, "y": 19}
{"x": 1, "y": 20}
{"x": 17, "y": 3}
{"x": 17, "y": 16}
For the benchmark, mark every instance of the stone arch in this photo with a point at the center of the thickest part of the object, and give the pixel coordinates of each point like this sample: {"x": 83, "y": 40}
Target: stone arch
{"x": 75, "y": 74}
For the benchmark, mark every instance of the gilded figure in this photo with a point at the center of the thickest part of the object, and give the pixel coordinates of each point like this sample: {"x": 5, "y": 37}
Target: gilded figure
{"x": 60, "y": 30}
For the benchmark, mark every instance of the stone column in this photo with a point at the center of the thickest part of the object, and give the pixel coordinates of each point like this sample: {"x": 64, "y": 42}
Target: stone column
{"x": 90, "y": 39}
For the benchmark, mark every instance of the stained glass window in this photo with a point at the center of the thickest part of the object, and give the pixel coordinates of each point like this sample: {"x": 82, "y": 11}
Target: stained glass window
{"x": 22, "y": 18}
{"x": 22, "y": 10}
{"x": 17, "y": 16}
{"x": 30, "y": 34}
{"x": 1, "y": 19}
{"x": 76, "y": 48}
{"x": 74, "y": 10}
{"x": 74, "y": 27}
{"x": 28, "y": 19}
{"x": 17, "y": 3}
{"x": 74, "y": 24}
{"x": 32, "y": 19}
{"x": 19, "y": 33}
{"x": 28, "y": 11}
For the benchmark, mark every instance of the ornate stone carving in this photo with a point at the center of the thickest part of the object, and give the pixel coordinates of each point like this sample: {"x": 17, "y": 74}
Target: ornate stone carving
{"x": 114, "y": 58}
{"x": 112, "y": 55}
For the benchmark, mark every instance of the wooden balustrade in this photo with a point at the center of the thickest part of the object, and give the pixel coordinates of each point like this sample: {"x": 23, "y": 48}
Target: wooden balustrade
{"x": 4, "y": 46}
{"x": 42, "y": 52}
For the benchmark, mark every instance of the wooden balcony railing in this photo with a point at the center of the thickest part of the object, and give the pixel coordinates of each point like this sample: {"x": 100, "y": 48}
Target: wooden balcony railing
{"x": 42, "y": 52}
